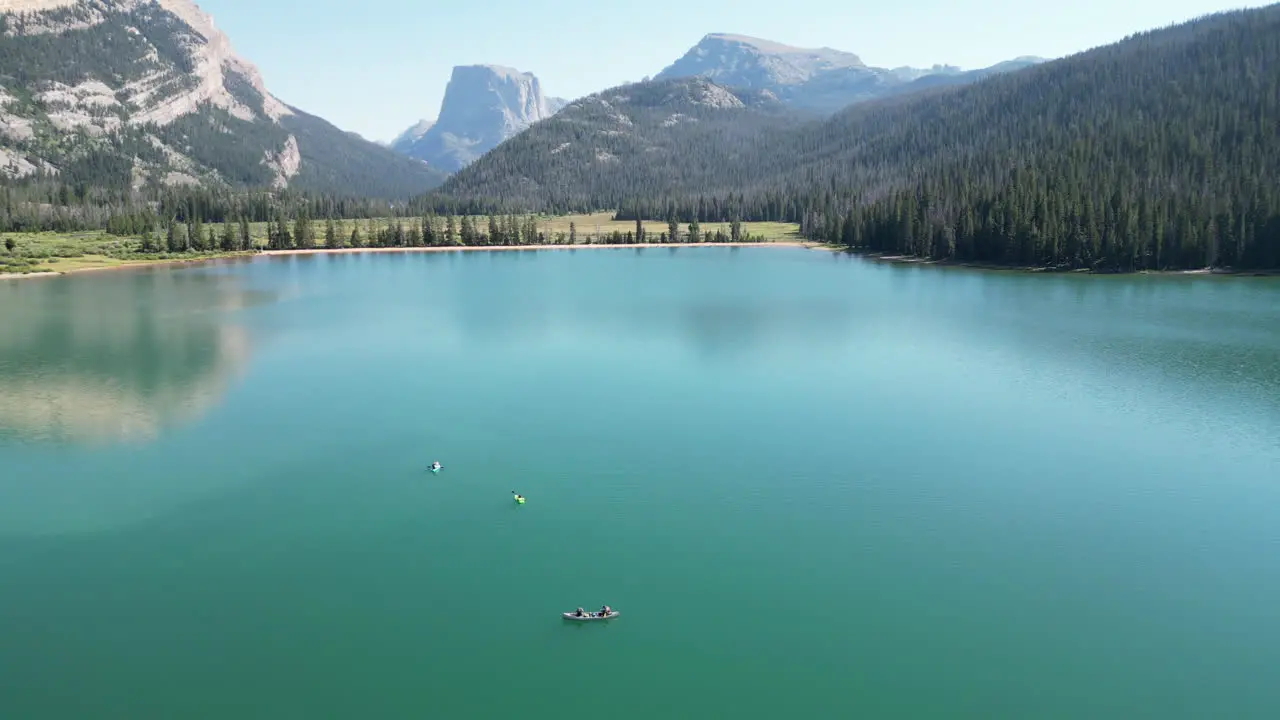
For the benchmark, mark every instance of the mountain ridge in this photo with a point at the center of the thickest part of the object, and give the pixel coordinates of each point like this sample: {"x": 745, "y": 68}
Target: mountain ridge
{"x": 822, "y": 80}
{"x": 113, "y": 92}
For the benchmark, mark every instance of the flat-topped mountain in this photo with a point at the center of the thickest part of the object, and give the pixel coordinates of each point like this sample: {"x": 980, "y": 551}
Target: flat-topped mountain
{"x": 483, "y": 105}
{"x": 125, "y": 93}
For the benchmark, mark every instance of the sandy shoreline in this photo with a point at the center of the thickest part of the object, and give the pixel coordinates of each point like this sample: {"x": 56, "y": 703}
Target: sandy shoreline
{"x": 21, "y": 276}
{"x": 466, "y": 248}
{"x": 134, "y": 265}
{"x": 878, "y": 257}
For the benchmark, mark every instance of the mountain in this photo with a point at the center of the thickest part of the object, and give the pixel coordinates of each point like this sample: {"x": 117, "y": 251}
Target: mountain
{"x": 411, "y": 135}
{"x": 483, "y": 105}
{"x": 634, "y": 139}
{"x": 1156, "y": 152}
{"x": 821, "y": 80}
{"x": 136, "y": 93}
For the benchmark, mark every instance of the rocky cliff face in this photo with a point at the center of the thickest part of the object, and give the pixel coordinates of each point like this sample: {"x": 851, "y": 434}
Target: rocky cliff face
{"x": 154, "y": 86}
{"x": 483, "y": 105}
{"x": 817, "y": 79}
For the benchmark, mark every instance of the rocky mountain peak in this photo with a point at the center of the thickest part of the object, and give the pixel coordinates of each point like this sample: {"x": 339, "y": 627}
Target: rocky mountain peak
{"x": 411, "y": 135}
{"x": 813, "y": 79}
{"x": 744, "y": 61}
{"x": 483, "y": 105}
{"x": 130, "y": 92}
{"x": 491, "y": 101}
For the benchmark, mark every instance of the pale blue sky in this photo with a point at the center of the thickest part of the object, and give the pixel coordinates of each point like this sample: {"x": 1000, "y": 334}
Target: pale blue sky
{"x": 377, "y": 66}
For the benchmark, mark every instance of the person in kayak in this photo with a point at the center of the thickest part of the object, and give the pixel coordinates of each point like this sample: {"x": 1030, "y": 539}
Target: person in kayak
{"x": 436, "y": 465}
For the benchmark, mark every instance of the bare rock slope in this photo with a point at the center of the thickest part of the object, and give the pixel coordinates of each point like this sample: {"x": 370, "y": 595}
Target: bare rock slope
{"x": 130, "y": 92}
{"x": 483, "y": 105}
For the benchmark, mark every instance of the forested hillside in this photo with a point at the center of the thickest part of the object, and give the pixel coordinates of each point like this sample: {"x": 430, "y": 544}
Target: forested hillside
{"x": 635, "y": 141}
{"x": 1160, "y": 151}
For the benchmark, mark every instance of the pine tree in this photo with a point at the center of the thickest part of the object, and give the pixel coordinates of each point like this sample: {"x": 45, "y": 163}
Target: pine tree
{"x": 284, "y": 241}
{"x": 178, "y": 240}
{"x": 573, "y": 233}
{"x": 196, "y": 232}
{"x": 429, "y": 235}
{"x": 495, "y": 233}
{"x": 303, "y": 232}
{"x": 228, "y": 242}
{"x": 451, "y": 231}
{"x": 694, "y": 234}
{"x": 330, "y": 234}
{"x": 246, "y": 239}
{"x": 533, "y": 234}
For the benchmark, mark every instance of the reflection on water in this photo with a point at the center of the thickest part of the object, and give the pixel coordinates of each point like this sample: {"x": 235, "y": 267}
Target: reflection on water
{"x": 718, "y": 305}
{"x": 1212, "y": 338}
{"x": 116, "y": 357}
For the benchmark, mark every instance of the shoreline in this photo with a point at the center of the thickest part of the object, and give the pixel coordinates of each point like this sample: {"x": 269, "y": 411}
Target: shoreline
{"x": 808, "y": 245}
{"x": 132, "y": 265}
{"x": 1043, "y": 270}
{"x": 501, "y": 248}
{"x": 144, "y": 263}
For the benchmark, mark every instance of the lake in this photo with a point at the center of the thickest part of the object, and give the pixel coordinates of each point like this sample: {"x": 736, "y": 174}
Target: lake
{"x": 814, "y": 486}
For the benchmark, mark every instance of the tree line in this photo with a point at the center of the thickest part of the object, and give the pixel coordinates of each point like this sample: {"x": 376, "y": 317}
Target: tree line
{"x": 302, "y": 231}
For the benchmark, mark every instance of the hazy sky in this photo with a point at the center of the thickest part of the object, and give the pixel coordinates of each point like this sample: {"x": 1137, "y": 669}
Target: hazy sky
{"x": 377, "y": 66}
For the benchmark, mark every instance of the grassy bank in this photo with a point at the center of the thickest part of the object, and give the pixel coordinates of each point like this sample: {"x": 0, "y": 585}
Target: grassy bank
{"x": 36, "y": 253}
{"x": 47, "y": 252}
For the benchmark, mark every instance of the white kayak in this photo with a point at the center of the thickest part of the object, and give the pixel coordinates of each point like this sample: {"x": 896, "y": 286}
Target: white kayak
{"x": 590, "y": 615}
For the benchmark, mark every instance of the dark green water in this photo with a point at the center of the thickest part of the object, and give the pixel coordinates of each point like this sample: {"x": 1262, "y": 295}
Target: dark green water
{"x": 814, "y": 486}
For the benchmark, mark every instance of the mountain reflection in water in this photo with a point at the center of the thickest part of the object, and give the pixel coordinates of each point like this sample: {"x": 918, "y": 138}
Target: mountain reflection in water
{"x": 117, "y": 357}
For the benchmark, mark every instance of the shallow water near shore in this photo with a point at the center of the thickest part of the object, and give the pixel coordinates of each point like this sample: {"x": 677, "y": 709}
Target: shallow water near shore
{"x": 814, "y": 486}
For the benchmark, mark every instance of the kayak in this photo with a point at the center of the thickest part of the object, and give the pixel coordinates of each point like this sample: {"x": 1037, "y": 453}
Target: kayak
{"x": 591, "y": 616}
{"x": 520, "y": 500}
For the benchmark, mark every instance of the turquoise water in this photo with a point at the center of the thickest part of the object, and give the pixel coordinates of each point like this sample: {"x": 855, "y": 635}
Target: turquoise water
{"x": 814, "y": 486}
